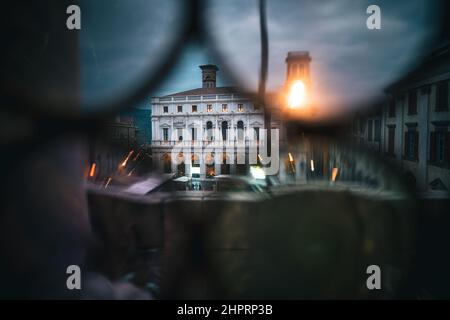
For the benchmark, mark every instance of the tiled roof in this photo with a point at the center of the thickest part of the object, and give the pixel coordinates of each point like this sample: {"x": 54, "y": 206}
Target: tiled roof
{"x": 203, "y": 91}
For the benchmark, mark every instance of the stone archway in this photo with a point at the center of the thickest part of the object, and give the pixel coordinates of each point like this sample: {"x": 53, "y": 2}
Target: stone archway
{"x": 167, "y": 163}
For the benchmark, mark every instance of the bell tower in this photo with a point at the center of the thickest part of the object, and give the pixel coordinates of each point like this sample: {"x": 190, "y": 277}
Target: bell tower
{"x": 297, "y": 63}
{"x": 209, "y": 75}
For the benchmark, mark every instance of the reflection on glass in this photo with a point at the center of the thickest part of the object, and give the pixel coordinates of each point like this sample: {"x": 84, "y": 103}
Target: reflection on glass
{"x": 121, "y": 41}
{"x": 350, "y": 62}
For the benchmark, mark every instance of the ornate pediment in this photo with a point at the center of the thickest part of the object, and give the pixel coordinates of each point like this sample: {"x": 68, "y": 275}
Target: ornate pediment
{"x": 224, "y": 118}
{"x": 179, "y": 122}
{"x": 256, "y": 124}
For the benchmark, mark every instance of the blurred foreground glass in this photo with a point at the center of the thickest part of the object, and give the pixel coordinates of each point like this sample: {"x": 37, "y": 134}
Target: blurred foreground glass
{"x": 122, "y": 43}
{"x": 310, "y": 232}
{"x": 121, "y": 52}
{"x": 351, "y": 64}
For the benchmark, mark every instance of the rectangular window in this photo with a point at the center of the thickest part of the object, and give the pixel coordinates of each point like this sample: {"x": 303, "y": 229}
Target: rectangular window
{"x": 391, "y": 141}
{"x": 193, "y": 134}
{"x": 194, "y": 108}
{"x": 411, "y": 144}
{"x": 180, "y": 109}
{"x": 224, "y": 107}
{"x": 442, "y": 96}
{"x": 256, "y": 107}
{"x": 209, "y": 108}
{"x": 166, "y": 109}
{"x": 240, "y": 107}
{"x": 440, "y": 146}
{"x": 166, "y": 134}
{"x": 412, "y": 103}
{"x": 370, "y": 131}
{"x": 377, "y": 130}
{"x": 391, "y": 110}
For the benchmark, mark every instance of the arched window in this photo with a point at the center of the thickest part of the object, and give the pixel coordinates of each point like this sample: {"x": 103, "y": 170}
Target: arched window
{"x": 209, "y": 130}
{"x": 181, "y": 167}
{"x": 240, "y": 130}
{"x": 195, "y": 160}
{"x": 167, "y": 163}
{"x": 209, "y": 165}
{"x": 225, "y": 166}
{"x": 224, "y": 130}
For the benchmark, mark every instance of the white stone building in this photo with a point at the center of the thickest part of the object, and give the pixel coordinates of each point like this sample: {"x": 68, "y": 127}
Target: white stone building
{"x": 200, "y": 118}
{"x": 206, "y": 117}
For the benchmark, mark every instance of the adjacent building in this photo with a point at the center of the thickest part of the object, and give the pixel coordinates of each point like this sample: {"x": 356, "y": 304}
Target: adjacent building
{"x": 412, "y": 127}
{"x": 140, "y": 118}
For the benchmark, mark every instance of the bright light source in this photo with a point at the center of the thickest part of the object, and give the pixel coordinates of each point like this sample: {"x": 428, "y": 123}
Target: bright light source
{"x": 291, "y": 158}
{"x": 334, "y": 174}
{"x": 124, "y": 163}
{"x": 131, "y": 172}
{"x": 257, "y": 172}
{"x": 297, "y": 94}
{"x": 137, "y": 156}
{"x": 92, "y": 171}
{"x": 108, "y": 182}
{"x": 312, "y": 165}
{"x": 195, "y": 170}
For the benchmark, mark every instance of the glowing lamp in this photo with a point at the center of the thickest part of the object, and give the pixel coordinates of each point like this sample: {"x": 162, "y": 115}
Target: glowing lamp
{"x": 297, "y": 94}
{"x": 257, "y": 172}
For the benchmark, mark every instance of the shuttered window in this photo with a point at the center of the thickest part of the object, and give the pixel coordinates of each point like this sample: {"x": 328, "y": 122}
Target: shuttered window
{"x": 391, "y": 140}
{"x": 411, "y": 144}
{"x": 440, "y": 147}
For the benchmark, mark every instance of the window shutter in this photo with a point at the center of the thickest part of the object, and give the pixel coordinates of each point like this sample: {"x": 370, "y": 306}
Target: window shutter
{"x": 416, "y": 145}
{"x": 447, "y": 147}
{"x": 432, "y": 147}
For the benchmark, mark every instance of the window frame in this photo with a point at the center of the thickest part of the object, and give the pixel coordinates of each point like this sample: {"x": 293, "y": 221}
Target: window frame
{"x": 440, "y": 106}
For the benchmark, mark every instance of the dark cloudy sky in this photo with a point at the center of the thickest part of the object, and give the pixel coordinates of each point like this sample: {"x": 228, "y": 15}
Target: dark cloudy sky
{"x": 121, "y": 40}
{"x": 349, "y": 62}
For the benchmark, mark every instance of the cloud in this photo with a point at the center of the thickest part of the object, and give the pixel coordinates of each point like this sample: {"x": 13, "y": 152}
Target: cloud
{"x": 349, "y": 62}
{"x": 122, "y": 40}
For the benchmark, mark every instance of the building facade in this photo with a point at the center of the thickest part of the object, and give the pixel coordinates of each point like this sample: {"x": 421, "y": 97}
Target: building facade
{"x": 141, "y": 119}
{"x": 412, "y": 127}
{"x": 212, "y": 116}
{"x": 201, "y": 118}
